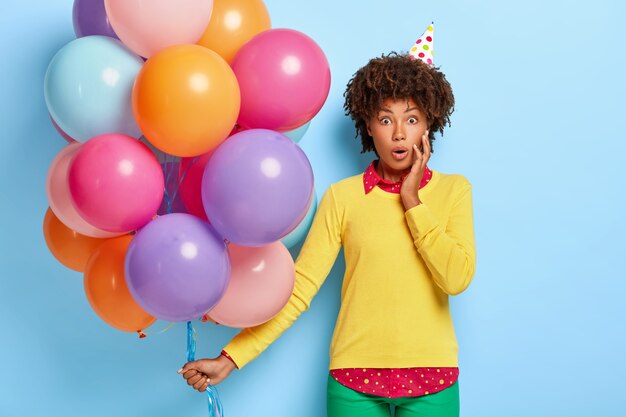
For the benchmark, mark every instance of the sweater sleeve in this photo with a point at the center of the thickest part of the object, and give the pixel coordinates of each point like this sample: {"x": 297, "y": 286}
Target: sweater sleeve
{"x": 315, "y": 261}
{"x": 447, "y": 249}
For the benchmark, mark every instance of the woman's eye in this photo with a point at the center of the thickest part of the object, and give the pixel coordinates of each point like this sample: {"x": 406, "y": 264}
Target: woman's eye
{"x": 385, "y": 121}
{"x": 412, "y": 120}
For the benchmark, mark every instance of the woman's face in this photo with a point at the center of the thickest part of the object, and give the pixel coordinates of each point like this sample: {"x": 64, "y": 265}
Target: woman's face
{"x": 396, "y": 126}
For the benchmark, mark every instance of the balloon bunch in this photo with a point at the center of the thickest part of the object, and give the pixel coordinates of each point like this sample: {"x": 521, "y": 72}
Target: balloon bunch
{"x": 182, "y": 184}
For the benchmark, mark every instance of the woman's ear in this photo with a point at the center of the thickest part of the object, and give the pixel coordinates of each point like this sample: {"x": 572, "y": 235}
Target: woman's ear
{"x": 367, "y": 125}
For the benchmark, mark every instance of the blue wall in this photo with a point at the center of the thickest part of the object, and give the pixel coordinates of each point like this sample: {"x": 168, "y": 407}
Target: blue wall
{"x": 538, "y": 130}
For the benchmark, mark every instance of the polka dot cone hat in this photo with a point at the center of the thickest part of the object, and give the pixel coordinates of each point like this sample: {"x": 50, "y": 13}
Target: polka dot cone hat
{"x": 423, "y": 48}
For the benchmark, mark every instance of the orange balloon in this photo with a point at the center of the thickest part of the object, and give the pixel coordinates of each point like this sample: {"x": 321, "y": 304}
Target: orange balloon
{"x": 68, "y": 247}
{"x": 186, "y": 100}
{"x": 233, "y": 23}
{"x": 106, "y": 288}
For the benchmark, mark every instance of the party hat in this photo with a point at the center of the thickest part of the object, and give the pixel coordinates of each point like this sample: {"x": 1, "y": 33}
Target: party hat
{"x": 423, "y": 48}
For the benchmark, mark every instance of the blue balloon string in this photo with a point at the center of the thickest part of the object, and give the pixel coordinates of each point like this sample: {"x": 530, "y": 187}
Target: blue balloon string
{"x": 182, "y": 177}
{"x": 191, "y": 343}
{"x": 166, "y": 194}
{"x": 215, "y": 405}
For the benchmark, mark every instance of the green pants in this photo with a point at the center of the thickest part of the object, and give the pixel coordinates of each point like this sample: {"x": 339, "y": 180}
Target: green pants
{"x": 345, "y": 402}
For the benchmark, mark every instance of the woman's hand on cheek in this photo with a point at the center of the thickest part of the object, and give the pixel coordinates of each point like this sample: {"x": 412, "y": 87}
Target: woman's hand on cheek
{"x": 411, "y": 184}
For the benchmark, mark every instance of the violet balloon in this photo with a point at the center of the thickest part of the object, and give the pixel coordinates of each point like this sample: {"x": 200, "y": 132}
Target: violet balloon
{"x": 257, "y": 187}
{"x": 177, "y": 267}
{"x": 90, "y": 18}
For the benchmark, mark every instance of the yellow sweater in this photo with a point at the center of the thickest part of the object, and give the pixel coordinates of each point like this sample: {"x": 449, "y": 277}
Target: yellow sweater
{"x": 400, "y": 268}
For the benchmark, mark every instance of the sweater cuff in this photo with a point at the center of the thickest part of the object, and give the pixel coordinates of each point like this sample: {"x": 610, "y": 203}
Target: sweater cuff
{"x": 421, "y": 221}
{"x": 239, "y": 349}
{"x": 224, "y": 353}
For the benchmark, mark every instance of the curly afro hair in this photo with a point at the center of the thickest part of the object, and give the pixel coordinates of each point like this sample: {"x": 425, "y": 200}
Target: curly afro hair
{"x": 398, "y": 76}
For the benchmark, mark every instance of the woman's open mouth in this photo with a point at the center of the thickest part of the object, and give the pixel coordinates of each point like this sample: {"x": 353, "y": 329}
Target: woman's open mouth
{"x": 400, "y": 153}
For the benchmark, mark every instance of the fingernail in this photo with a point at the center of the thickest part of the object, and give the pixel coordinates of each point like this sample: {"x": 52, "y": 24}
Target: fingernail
{"x": 180, "y": 370}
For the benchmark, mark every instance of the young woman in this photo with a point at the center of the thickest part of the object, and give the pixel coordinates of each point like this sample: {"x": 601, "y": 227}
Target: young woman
{"x": 408, "y": 239}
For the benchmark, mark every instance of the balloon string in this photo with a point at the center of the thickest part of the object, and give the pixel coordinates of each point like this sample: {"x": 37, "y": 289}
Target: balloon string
{"x": 166, "y": 194}
{"x": 170, "y": 168}
{"x": 143, "y": 334}
{"x": 182, "y": 177}
{"x": 191, "y": 342}
{"x": 215, "y": 405}
{"x": 170, "y": 160}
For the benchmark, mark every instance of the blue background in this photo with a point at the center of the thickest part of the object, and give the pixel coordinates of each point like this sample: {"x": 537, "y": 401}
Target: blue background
{"x": 538, "y": 130}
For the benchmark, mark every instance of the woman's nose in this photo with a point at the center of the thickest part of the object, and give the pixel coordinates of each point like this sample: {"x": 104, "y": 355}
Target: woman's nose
{"x": 398, "y": 134}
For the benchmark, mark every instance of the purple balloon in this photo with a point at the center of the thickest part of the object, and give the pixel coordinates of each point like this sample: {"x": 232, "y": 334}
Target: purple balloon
{"x": 257, "y": 187}
{"x": 177, "y": 267}
{"x": 90, "y": 18}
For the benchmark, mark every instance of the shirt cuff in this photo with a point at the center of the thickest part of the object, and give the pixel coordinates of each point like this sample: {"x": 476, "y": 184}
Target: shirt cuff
{"x": 224, "y": 353}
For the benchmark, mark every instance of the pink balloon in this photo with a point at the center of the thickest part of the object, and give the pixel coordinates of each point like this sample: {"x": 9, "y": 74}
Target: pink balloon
{"x": 149, "y": 26}
{"x": 261, "y": 282}
{"x": 60, "y": 199}
{"x": 116, "y": 182}
{"x": 284, "y": 80}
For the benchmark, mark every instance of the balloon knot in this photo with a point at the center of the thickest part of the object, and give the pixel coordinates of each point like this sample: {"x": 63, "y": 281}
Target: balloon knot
{"x": 205, "y": 318}
{"x": 141, "y": 334}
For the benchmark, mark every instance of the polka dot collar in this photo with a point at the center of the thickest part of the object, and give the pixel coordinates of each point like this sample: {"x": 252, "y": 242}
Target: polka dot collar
{"x": 372, "y": 179}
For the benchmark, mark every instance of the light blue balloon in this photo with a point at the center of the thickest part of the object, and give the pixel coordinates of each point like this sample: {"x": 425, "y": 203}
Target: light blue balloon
{"x": 300, "y": 232}
{"x": 88, "y": 88}
{"x": 297, "y": 133}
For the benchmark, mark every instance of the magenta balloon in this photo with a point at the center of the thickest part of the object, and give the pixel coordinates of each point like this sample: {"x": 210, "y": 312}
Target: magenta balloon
{"x": 60, "y": 199}
{"x": 177, "y": 267}
{"x": 257, "y": 187}
{"x": 190, "y": 178}
{"x": 284, "y": 80}
{"x": 90, "y": 18}
{"x": 116, "y": 182}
